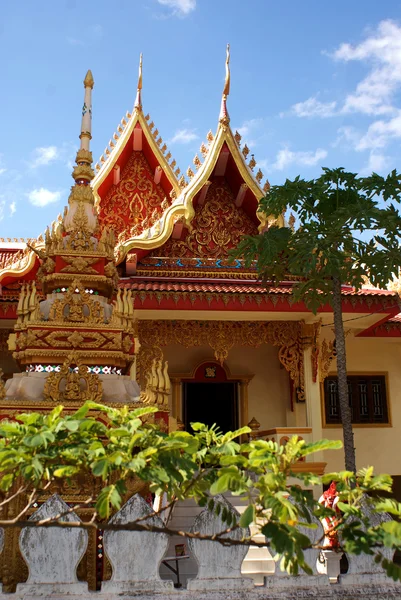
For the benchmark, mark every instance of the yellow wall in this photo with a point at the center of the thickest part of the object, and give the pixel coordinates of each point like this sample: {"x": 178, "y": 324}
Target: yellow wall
{"x": 375, "y": 445}
{"x": 268, "y": 392}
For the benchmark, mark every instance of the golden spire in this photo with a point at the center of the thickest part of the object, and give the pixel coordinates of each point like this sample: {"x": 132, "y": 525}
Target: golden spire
{"x": 224, "y": 116}
{"x": 89, "y": 81}
{"x": 138, "y": 99}
{"x": 226, "y": 90}
{"x": 81, "y": 192}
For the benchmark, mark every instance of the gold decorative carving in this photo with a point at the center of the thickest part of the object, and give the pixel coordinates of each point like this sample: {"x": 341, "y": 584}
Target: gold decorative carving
{"x": 252, "y": 163}
{"x": 79, "y": 264}
{"x": 68, "y": 385}
{"x": 218, "y": 226}
{"x": 77, "y": 306}
{"x": 28, "y": 304}
{"x": 221, "y": 336}
{"x": 2, "y": 386}
{"x": 136, "y": 196}
{"x": 327, "y": 354}
{"x": 123, "y": 309}
{"x": 158, "y": 385}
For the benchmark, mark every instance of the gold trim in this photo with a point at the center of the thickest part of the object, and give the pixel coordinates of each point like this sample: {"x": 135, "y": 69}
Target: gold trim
{"x": 20, "y": 272}
{"x": 358, "y": 425}
{"x": 224, "y": 134}
{"x": 136, "y": 117}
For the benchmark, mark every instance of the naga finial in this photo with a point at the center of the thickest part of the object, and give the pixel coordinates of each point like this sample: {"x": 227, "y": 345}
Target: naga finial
{"x": 138, "y": 99}
{"x": 224, "y": 116}
{"x": 226, "y": 90}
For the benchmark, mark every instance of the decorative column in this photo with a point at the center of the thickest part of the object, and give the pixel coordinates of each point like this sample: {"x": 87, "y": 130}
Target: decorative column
{"x": 309, "y": 344}
{"x": 243, "y": 400}
{"x": 176, "y": 409}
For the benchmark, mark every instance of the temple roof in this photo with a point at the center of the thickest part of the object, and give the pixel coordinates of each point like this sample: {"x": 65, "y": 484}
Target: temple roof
{"x": 16, "y": 259}
{"x": 152, "y": 226}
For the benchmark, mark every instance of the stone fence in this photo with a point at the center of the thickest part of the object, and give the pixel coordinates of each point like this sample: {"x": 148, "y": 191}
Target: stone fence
{"x": 53, "y": 554}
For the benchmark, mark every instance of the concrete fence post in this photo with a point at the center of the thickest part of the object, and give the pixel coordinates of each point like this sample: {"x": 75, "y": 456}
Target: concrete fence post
{"x": 219, "y": 566}
{"x": 52, "y": 553}
{"x": 135, "y": 556}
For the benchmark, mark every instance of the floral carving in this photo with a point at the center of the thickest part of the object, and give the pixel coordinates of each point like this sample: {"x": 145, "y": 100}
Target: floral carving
{"x": 221, "y": 336}
{"x": 136, "y": 196}
{"x": 217, "y": 227}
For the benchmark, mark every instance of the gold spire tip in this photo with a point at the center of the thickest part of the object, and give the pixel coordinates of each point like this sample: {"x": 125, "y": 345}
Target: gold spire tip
{"x": 140, "y": 72}
{"x": 89, "y": 81}
{"x": 226, "y": 90}
{"x": 138, "y": 99}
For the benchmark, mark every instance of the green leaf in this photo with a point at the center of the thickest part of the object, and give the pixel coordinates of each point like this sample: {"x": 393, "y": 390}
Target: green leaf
{"x": 66, "y": 471}
{"x": 320, "y": 446}
{"x": 101, "y": 467}
{"x": 109, "y": 497}
{"x": 248, "y": 516}
{"x": 81, "y": 412}
{"x": 39, "y": 439}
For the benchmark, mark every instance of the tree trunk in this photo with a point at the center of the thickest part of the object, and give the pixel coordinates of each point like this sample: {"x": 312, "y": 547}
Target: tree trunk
{"x": 345, "y": 410}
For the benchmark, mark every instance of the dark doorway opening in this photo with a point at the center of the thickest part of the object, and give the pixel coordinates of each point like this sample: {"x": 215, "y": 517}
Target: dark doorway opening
{"x": 211, "y": 403}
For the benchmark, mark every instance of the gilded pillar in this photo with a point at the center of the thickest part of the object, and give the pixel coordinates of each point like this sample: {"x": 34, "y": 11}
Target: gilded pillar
{"x": 312, "y": 397}
{"x": 243, "y": 401}
{"x": 176, "y": 408}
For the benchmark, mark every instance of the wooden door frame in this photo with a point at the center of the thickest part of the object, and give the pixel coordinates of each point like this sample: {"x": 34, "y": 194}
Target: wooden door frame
{"x": 242, "y": 381}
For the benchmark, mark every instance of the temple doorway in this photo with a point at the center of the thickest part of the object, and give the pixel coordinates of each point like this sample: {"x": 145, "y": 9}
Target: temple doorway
{"x": 210, "y": 398}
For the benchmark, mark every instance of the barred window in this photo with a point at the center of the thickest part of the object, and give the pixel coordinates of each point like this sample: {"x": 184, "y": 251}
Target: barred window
{"x": 367, "y": 397}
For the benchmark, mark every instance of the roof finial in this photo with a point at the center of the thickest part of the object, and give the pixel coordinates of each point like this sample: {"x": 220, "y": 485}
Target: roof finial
{"x": 86, "y": 123}
{"x": 138, "y": 99}
{"x": 224, "y": 116}
{"x": 81, "y": 191}
{"x": 226, "y": 90}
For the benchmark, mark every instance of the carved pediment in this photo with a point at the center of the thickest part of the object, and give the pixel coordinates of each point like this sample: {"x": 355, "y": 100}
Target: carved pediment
{"x": 217, "y": 227}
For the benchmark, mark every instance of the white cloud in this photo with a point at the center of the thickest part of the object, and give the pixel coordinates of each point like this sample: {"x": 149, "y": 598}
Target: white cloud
{"x": 349, "y": 135}
{"x": 42, "y": 197}
{"x": 312, "y": 107}
{"x": 377, "y": 163}
{"x": 382, "y": 49}
{"x": 184, "y": 136}
{"x": 181, "y": 8}
{"x": 2, "y": 168}
{"x": 4, "y": 204}
{"x": 287, "y": 157}
{"x": 249, "y": 126}
{"x": 44, "y": 156}
{"x": 380, "y": 132}
{"x": 251, "y": 131}
{"x": 374, "y": 94}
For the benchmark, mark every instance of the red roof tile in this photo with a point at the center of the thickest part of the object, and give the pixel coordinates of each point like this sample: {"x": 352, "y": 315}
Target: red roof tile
{"x": 230, "y": 286}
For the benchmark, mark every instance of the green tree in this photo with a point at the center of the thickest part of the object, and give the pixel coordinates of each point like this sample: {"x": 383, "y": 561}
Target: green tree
{"x": 347, "y": 229}
{"x": 114, "y": 445}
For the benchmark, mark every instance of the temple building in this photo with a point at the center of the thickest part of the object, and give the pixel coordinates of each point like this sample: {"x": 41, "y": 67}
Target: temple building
{"x": 129, "y": 298}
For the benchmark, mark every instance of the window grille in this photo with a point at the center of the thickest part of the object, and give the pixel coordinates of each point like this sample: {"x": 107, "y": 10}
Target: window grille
{"x": 367, "y": 396}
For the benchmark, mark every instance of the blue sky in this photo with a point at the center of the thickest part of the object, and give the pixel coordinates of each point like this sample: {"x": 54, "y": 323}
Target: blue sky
{"x": 312, "y": 83}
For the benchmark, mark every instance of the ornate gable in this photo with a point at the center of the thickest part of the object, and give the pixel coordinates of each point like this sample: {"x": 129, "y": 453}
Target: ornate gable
{"x": 217, "y": 227}
{"x": 136, "y": 202}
